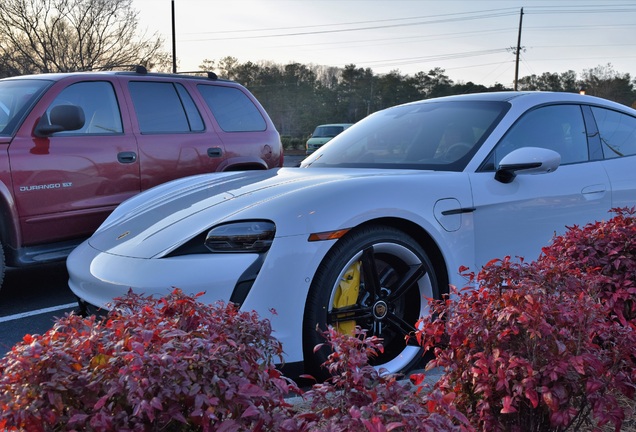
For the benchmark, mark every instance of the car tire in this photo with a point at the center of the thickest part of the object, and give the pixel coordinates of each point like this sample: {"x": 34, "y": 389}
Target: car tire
{"x": 389, "y": 307}
{"x": 3, "y": 266}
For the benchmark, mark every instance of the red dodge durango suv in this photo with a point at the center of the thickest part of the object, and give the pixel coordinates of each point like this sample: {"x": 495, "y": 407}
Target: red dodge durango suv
{"x": 75, "y": 145}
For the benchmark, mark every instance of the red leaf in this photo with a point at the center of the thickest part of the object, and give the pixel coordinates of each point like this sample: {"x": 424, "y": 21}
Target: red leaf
{"x": 507, "y": 405}
{"x": 251, "y": 390}
{"x": 251, "y": 411}
{"x": 417, "y": 378}
{"x": 593, "y": 385}
{"x": 533, "y": 396}
{"x": 229, "y": 426}
{"x": 550, "y": 401}
{"x": 101, "y": 402}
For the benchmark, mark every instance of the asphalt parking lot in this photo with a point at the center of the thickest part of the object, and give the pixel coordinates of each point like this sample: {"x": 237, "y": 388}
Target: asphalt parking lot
{"x": 30, "y": 300}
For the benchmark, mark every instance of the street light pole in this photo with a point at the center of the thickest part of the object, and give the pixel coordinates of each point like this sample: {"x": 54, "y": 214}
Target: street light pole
{"x": 174, "y": 43}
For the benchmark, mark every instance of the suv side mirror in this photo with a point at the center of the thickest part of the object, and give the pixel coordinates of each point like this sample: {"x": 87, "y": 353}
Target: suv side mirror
{"x": 62, "y": 118}
{"x": 527, "y": 160}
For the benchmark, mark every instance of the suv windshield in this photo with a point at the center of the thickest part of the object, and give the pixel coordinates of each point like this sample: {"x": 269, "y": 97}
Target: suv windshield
{"x": 440, "y": 136}
{"x": 327, "y": 131}
{"x": 16, "y": 97}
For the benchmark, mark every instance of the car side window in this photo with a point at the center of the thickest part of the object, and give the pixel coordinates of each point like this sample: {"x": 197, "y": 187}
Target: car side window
{"x": 556, "y": 127}
{"x": 164, "y": 107}
{"x": 617, "y": 132}
{"x": 233, "y": 110}
{"x": 99, "y": 103}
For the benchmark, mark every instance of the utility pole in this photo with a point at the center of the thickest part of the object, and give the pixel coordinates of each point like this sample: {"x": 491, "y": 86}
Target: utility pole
{"x": 174, "y": 43}
{"x": 518, "y": 50}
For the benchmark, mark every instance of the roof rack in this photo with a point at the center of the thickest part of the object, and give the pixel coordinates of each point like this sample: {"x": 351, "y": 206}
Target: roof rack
{"x": 210, "y": 75}
{"x": 140, "y": 69}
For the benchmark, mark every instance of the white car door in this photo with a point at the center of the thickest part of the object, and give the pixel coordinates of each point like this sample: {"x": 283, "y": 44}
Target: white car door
{"x": 617, "y": 134}
{"x": 518, "y": 218}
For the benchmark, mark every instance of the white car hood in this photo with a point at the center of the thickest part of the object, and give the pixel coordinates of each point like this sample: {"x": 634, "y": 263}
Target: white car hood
{"x": 145, "y": 225}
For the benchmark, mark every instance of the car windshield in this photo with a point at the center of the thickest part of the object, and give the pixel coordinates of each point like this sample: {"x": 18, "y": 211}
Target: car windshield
{"x": 16, "y": 97}
{"x": 441, "y": 135}
{"x": 327, "y": 131}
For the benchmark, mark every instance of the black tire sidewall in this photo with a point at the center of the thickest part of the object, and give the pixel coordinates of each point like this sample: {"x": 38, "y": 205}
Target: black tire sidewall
{"x": 3, "y": 266}
{"x": 325, "y": 279}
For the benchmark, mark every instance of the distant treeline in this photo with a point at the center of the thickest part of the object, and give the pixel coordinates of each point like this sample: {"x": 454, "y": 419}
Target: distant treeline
{"x": 298, "y": 97}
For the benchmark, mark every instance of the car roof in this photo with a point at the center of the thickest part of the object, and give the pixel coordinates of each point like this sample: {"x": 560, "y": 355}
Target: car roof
{"x": 141, "y": 73}
{"x": 532, "y": 98}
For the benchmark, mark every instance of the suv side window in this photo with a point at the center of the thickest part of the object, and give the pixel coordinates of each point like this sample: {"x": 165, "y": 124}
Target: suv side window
{"x": 164, "y": 107}
{"x": 233, "y": 110}
{"x": 617, "y": 132}
{"x": 556, "y": 127}
{"x": 98, "y": 100}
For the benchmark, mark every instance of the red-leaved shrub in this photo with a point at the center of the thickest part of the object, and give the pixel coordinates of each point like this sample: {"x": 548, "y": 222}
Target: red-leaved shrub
{"x": 152, "y": 364}
{"x": 357, "y": 397}
{"x": 545, "y": 346}
{"x": 603, "y": 256}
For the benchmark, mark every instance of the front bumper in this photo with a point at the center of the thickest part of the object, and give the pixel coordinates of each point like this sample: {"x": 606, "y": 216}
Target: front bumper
{"x": 97, "y": 277}
{"x": 278, "y": 294}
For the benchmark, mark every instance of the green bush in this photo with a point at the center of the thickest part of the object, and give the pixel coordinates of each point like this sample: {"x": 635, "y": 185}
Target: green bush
{"x": 292, "y": 143}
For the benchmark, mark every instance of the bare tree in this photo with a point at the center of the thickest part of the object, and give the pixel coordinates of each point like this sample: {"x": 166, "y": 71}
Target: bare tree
{"x": 607, "y": 83}
{"x": 39, "y": 36}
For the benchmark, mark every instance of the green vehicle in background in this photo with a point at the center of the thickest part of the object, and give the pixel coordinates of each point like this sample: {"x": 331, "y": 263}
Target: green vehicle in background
{"x": 323, "y": 134}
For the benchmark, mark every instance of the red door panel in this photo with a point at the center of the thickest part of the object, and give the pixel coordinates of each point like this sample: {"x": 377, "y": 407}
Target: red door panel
{"x": 66, "y": 184}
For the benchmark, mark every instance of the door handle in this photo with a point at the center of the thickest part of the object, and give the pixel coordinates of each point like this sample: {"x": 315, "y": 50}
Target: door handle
{"x": 126, "y": 157}
{"x": 594, "y": 191}
{"x": 215, "y": 152}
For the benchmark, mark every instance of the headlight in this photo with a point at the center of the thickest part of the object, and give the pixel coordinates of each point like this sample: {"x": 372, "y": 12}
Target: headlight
{"x": 254, "y": 236}
{"x": 248, "y": 236}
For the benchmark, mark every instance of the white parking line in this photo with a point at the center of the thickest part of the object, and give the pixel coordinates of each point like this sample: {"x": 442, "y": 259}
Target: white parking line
{"x": 36, "y": 312}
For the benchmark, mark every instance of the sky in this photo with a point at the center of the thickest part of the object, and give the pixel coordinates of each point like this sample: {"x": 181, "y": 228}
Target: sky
{"x": 471, "y": 40}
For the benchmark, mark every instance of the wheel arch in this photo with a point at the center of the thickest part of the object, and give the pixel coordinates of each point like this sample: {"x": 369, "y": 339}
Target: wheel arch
{"x": 8, "y": 218}
{"x": 9, "y": 232}
{"x": 415, "y": 232}
{"x": 425, "y": 240}
{"x": 242, "y": 164}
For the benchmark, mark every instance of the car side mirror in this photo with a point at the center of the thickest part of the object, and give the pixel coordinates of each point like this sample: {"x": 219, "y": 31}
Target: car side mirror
{"x": 527, "y": 160}
{"x": 61, "y": 118}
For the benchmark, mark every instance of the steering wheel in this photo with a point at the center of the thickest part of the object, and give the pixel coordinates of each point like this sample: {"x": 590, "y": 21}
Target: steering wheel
{"x": 456, "y": 151}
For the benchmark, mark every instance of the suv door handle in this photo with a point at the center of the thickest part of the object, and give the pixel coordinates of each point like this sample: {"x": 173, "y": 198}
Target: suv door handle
{"x": 127, "y": 157}
{"x": 215, "y": 152}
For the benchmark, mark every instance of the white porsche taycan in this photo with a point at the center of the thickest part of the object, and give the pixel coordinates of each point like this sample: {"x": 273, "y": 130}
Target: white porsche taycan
{"x": 378, "y": 219}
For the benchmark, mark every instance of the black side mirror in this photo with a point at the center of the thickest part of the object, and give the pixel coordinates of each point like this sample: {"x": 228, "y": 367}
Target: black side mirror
{"x": 62, "y": 118}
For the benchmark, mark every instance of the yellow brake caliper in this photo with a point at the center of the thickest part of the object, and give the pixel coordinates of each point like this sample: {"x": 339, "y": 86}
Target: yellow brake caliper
{"x": 347, "y": 295}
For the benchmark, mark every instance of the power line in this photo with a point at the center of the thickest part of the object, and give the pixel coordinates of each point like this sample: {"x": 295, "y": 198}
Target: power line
{"x": 580, "y": 27}
{"x": 418, "y": 22}
{"x": 458, "y": 16}
{"x": 559, "y": 9}
{"x": 346, "y": 30}
{"x": 389, "y": 41}
{"x": 426, "y": 20}
{"x": 450, "y": 56}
